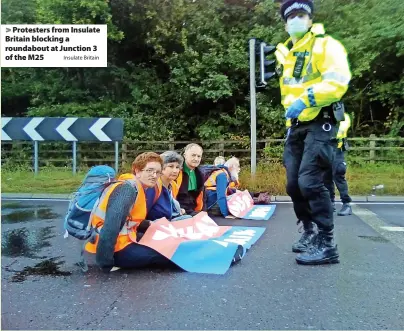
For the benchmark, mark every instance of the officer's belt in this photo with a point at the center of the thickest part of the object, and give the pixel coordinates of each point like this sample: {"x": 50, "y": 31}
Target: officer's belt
{"x": 301, "y": 80}
{"x": 324, "y": 113}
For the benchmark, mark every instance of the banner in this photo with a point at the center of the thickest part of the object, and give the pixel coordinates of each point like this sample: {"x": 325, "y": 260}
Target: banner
{"x": 198, "y": 244}
{"x": 241, "y": 205}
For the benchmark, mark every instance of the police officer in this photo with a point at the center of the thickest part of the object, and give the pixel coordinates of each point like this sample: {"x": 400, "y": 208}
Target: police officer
{"x": 314, "y": 75}
{"x": 337, "y": 174}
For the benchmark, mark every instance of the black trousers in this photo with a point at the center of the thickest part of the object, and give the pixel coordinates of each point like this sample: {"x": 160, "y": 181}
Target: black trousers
{"x": 308, "y": 155}
{"x": 337, "y": 175}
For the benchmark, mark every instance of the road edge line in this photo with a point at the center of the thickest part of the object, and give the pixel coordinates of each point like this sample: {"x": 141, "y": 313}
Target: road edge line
{"x": 377, "y": 224}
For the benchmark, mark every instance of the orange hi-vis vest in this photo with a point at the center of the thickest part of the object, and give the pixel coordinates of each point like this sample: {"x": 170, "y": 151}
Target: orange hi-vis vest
{"x": 174, "y": 187}
{"x": 136, "y": 216}
{"x": 234, "y": 184}
{"x": 210, "y": 183}
{"x": 199, "y": 199}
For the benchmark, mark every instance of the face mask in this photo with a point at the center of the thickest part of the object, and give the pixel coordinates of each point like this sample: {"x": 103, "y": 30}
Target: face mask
{"x": 297, "y": 27}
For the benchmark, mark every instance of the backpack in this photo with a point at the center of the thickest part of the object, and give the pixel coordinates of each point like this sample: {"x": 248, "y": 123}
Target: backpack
{"x": 208, "y": 169}
{"x": 77, "y": 220}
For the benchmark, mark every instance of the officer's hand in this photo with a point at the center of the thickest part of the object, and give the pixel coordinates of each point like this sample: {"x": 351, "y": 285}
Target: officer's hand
{"x": 295, "y": 109}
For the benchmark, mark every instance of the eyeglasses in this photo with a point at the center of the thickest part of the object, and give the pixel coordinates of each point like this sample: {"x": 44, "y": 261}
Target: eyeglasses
{"x": 152, "y": 172}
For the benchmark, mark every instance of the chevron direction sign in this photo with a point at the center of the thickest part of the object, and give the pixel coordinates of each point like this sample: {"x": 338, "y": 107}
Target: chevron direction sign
{"x": 61, "y": 129}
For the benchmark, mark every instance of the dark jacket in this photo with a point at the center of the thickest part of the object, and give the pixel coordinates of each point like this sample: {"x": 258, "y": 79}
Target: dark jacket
{"x": 192, "y": 201}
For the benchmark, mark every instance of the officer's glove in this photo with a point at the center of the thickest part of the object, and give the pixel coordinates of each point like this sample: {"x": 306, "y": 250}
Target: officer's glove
{"x": 295, "y": 109}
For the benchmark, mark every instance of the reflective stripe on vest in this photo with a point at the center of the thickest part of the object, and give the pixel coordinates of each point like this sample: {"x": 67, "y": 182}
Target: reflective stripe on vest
{"x": 333, "y": 76}
{"x": 343, "y": 127}
{"x": 301, "y": 80}
{"x": 336, "y": 77}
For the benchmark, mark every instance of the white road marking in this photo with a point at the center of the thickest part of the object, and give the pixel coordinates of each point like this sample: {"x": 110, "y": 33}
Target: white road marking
{"x": 393, "y": 228}
{"x": 371, "y": 219}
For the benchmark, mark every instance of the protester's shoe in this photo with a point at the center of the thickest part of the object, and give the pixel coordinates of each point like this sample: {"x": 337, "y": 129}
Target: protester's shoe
{"x": 346, "y": 210}
{"x": 305, "y": 240}
{"x": 323, "y": 250}
{"x": 333, "y": 206}
{"x": 239, "y": 254}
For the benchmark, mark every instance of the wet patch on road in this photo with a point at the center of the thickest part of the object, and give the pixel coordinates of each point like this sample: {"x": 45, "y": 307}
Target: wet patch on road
{"x": 375, "y": 238}
{"x": 19, "y": 205}
{"x": 26, "y": 215}
{"x": 25, "y": 242}
{"x": 49, "y": 267}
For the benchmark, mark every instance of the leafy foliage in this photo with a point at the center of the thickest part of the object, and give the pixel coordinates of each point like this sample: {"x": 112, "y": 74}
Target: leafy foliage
{"x": 179, "y": 68}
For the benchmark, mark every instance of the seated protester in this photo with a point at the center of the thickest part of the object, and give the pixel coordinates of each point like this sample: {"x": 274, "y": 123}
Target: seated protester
{"x": 121, "y": 218}
{"x": 166, "y": 205}
{"x": 190, "y": 181}
{"x": 234, "y": 186}
{"x": 259, "y": 198}
{"x": 217, "y": 187}
{"x": 220, "y": 160}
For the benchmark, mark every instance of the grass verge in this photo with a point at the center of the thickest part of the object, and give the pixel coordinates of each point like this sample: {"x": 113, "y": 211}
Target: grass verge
{"x": 361, "y": 179}
{"x": 269, "y": 177}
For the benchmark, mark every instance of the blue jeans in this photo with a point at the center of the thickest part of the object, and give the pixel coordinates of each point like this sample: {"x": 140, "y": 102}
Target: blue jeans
{"x": 137, "y": 256}
{"x": 180, "y": 218}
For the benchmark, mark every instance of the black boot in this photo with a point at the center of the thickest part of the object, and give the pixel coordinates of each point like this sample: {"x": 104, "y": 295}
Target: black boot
{"x": 322, "y": 251}
{"x": 305, "y": 240}
{"x": 346, "y": 210}
{"x": 239, "y": 254}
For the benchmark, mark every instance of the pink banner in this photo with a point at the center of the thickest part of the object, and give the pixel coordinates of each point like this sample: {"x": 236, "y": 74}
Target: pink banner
{"x": 240, "y": 203}
{"x": 165, "y": 237}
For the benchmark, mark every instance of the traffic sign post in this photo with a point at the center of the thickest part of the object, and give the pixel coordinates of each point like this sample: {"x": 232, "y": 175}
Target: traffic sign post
{"x": 70, "y": 129}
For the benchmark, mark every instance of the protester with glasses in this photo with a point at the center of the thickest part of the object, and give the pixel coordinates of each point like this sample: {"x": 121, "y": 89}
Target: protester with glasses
{"x": 124, "y": 206}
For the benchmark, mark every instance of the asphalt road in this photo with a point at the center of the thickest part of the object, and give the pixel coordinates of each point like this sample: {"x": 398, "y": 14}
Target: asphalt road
{"x": 266, "y": 290}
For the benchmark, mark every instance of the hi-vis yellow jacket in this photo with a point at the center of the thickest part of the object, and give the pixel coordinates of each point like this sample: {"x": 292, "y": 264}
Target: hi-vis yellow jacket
{"x": 343, "y": 129}
{"x": 325, "y": 75}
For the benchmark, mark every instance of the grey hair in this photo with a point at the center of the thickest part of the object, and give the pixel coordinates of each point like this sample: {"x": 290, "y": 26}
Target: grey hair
{"x": 170, "y": 157}
{"x": 232, "y": 161}
{"x": 220, "y": 160}
{"x": 189, "y": 146}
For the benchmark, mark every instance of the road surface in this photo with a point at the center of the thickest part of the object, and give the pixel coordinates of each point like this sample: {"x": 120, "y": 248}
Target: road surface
{"x": 43, "y": 288}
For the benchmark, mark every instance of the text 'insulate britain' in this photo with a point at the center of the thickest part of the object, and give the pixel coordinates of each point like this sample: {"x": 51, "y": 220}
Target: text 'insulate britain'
{"x": 54, "y": 45}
